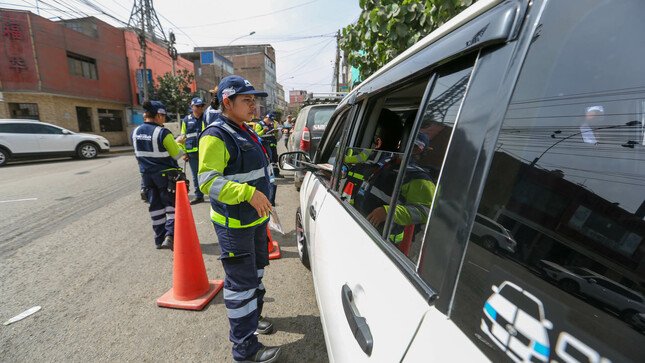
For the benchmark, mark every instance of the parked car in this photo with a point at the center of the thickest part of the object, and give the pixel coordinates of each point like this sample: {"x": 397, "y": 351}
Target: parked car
{"x": 308, "y": 129}
{"x": 515, "y": 322}
{"x": 608, "y": 293}
{"x": 499, "y": 96}
{"x": 35, "y": 139}
{"x": 492, "y": 235}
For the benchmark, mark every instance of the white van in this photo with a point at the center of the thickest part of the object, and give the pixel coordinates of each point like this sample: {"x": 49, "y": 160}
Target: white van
{"x": 529, "y": 113}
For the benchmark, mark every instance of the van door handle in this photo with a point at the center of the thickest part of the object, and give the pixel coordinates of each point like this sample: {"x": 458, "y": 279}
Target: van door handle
{"x": 312, "y": 212}
{"x": 357, "y": 323}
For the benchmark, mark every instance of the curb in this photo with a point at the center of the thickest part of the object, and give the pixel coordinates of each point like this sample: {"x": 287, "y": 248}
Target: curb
{"x": 119, "y": 151}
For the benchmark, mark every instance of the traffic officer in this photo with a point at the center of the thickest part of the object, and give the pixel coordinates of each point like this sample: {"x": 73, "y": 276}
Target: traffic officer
{"x": 267, "y": 129}
{"x": 234, "y": 171}
{"x": 157, "y": 153}
{"x": 191, "y": 126}
{"x": 213, "y": 111}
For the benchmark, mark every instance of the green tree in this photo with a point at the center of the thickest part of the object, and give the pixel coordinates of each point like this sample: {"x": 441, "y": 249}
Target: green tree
{"x": 386, "y": 28}
{"x": 174, "y": 91}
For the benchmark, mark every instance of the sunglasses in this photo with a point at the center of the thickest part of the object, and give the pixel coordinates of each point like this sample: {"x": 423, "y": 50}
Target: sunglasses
{"x": 200, "y": 106}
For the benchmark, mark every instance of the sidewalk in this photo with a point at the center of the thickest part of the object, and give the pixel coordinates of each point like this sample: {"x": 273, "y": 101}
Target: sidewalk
{"x": 121, "y": 149}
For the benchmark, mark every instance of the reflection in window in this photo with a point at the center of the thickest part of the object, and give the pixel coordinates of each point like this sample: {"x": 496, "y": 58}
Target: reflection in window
{"x": 567, "y": 180}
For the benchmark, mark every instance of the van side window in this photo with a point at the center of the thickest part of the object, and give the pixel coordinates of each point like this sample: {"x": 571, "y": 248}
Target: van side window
{"x": 567, "y": 182}
{"x": 430, "y": 139}
{"x": 329, "y": 150}
{"x": 372, "y": 157}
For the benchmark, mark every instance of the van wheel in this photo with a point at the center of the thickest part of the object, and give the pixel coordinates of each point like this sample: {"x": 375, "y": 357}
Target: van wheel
{"x": 569, "y": 286}
{"x": 301, "y": 241}
{"x": 489, "y": 243}
{"x": 4, "y": 157}
{"x": 87, "y": 150}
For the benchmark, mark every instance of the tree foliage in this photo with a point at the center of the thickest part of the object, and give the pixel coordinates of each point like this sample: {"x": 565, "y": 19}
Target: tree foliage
{"x": 174, "y": 91}
{"x": 386, "y": 28}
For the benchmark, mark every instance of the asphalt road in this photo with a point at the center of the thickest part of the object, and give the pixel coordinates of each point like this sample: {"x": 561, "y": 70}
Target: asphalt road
{"x": 76, "y": 239}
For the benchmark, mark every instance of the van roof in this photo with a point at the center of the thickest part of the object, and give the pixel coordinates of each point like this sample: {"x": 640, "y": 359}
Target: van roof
{"x": 462, "y": 18}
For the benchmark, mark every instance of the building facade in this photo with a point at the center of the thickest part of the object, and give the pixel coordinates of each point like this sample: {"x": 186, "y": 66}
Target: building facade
{"x": 209, "y": 68}
{"x": 72, "y": 74}
{"x": 256, "y": 63}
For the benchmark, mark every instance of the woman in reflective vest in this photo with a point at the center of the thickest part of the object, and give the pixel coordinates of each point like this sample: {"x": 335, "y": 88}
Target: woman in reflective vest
{"x": 235, "y": 172}
{"x": 157, "y": 153}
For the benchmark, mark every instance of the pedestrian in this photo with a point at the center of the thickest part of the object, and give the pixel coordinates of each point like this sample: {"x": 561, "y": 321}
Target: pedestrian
{"x": 287, "y": 129}
{"x": 234, "y": 170}
{"x": 213, "y": 110}
{"x": 157, "y": 153}
{"x": 191, "y": 126}
{"x": 267, "y": 129}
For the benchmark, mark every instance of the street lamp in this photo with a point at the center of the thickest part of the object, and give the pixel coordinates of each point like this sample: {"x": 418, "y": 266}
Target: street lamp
{"x": 245, "y": 35}
{"x": 630, "y": 123}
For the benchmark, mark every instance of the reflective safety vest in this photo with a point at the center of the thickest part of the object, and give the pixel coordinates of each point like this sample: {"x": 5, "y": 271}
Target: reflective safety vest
{"x": 248, "y": 164}
{"x": 150, "y": 151}
{"x": 376, "y": 191}
{"x": 191, "y": 127}
{"x": 267, "y": 136}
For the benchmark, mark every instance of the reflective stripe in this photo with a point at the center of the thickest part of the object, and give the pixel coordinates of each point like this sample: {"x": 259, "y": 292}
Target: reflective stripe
{"x": 243, "y": 311}
{"x": 159, "y": 221}
{"x": 356, "y": 175}
{"x": 170, "y": 209}
{"x": 414, "y": 214}
{"x": 204, "y": 178}
{"x": 238, "y": 295}
{"x": 247, "y": 177}
{"x": 261, "y": 286}
{"x": 380, "y": 194}
{"x": 216, "y": 187}
{"x": 179, "y": 154}
{"x": 158, "y": 212}
{"x": 229, "y": 129}
{"x": 170, "y": 215}
{"x": 152, "y": 154}
{"x": 232, "y": 222}
{"x": 192, "y": 134}
{"x": 261, "y": 273}
{"x": 397, "y": 238}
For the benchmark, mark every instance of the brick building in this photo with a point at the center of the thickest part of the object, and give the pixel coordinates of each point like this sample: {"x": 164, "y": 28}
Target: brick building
{"x": 296, "y": 99}
{"x": 72, "y": 74}
{"x": 256, "y": 63}
{"x": 209, "y": 68}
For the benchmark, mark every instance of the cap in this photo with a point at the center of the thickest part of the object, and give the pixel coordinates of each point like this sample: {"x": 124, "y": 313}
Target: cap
{"x": 196, "y": 101}
{"x": 157, "y": 107}
{"x": 271, "y": 115}
{"x": 421, "y": 141}
{"x": 595, "y": 108}
{"x": 236, "y": 85}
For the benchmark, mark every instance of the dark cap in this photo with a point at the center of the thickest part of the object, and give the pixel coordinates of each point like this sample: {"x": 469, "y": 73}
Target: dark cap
{"x": 155, "y": 108}
{"x": 236, "y": 85}
{"x": 196, "y": 101}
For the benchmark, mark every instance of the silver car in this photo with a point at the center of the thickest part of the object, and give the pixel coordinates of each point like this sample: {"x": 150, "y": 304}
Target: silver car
{"x": 492, "y": 235}
{"x": 35, "y": 139}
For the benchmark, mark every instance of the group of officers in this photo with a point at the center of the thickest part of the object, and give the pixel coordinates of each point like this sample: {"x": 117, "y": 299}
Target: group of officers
{"x": 235, "y": 165}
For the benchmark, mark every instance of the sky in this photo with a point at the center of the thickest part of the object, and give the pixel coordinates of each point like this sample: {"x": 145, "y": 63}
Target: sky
{"x": 301, "y": 31}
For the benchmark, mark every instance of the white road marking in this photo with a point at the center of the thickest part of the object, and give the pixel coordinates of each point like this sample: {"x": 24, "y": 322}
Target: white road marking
{"x": 478, "y": 266}
{"x": 17, "y": 200}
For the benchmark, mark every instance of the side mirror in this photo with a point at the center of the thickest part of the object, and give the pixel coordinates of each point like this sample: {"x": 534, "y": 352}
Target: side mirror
{"x": 495, "y": 289}
{"x": 66, "y": 132}
{"x": 592, "y": 281}
{"x": 295, "y": 161}
{"x": 547, "y": 324}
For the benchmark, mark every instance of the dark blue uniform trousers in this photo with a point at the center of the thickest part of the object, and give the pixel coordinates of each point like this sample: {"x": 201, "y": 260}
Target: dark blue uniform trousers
{"x": 244, "y": 255}
{"x": 162, "y": 205}
{"x": 193, "y": 161}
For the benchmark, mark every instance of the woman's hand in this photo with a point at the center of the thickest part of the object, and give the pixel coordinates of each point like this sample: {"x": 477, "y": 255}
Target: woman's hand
{"x": 377, "y": 216}
{"x": 261, "y": 203}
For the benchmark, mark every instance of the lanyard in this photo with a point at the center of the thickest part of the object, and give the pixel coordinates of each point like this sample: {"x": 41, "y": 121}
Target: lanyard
{"x": 245, "y": 128}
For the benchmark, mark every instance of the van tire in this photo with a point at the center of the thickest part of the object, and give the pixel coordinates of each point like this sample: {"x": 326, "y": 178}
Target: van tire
{"x": 569, "y": 286}
{"x": 87, "y": 150}
{"x": 489, "y": 243}
{"x": 4, "y": 156}
{"x": 301, "y": 241}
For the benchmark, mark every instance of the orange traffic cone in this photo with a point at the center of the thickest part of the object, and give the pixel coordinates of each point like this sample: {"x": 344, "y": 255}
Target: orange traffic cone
{"x": 274, "y": 248}
{"x": 191, "y": 288}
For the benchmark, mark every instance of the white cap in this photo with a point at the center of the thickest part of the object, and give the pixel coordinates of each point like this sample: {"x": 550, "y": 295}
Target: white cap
{"x": 595, "y": 108}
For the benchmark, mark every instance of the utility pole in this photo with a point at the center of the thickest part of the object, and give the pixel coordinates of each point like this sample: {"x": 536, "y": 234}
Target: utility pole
{"x": 144, "y": 21}
{"x": 172, "y": 52}
{"x": 334, "y": 84}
